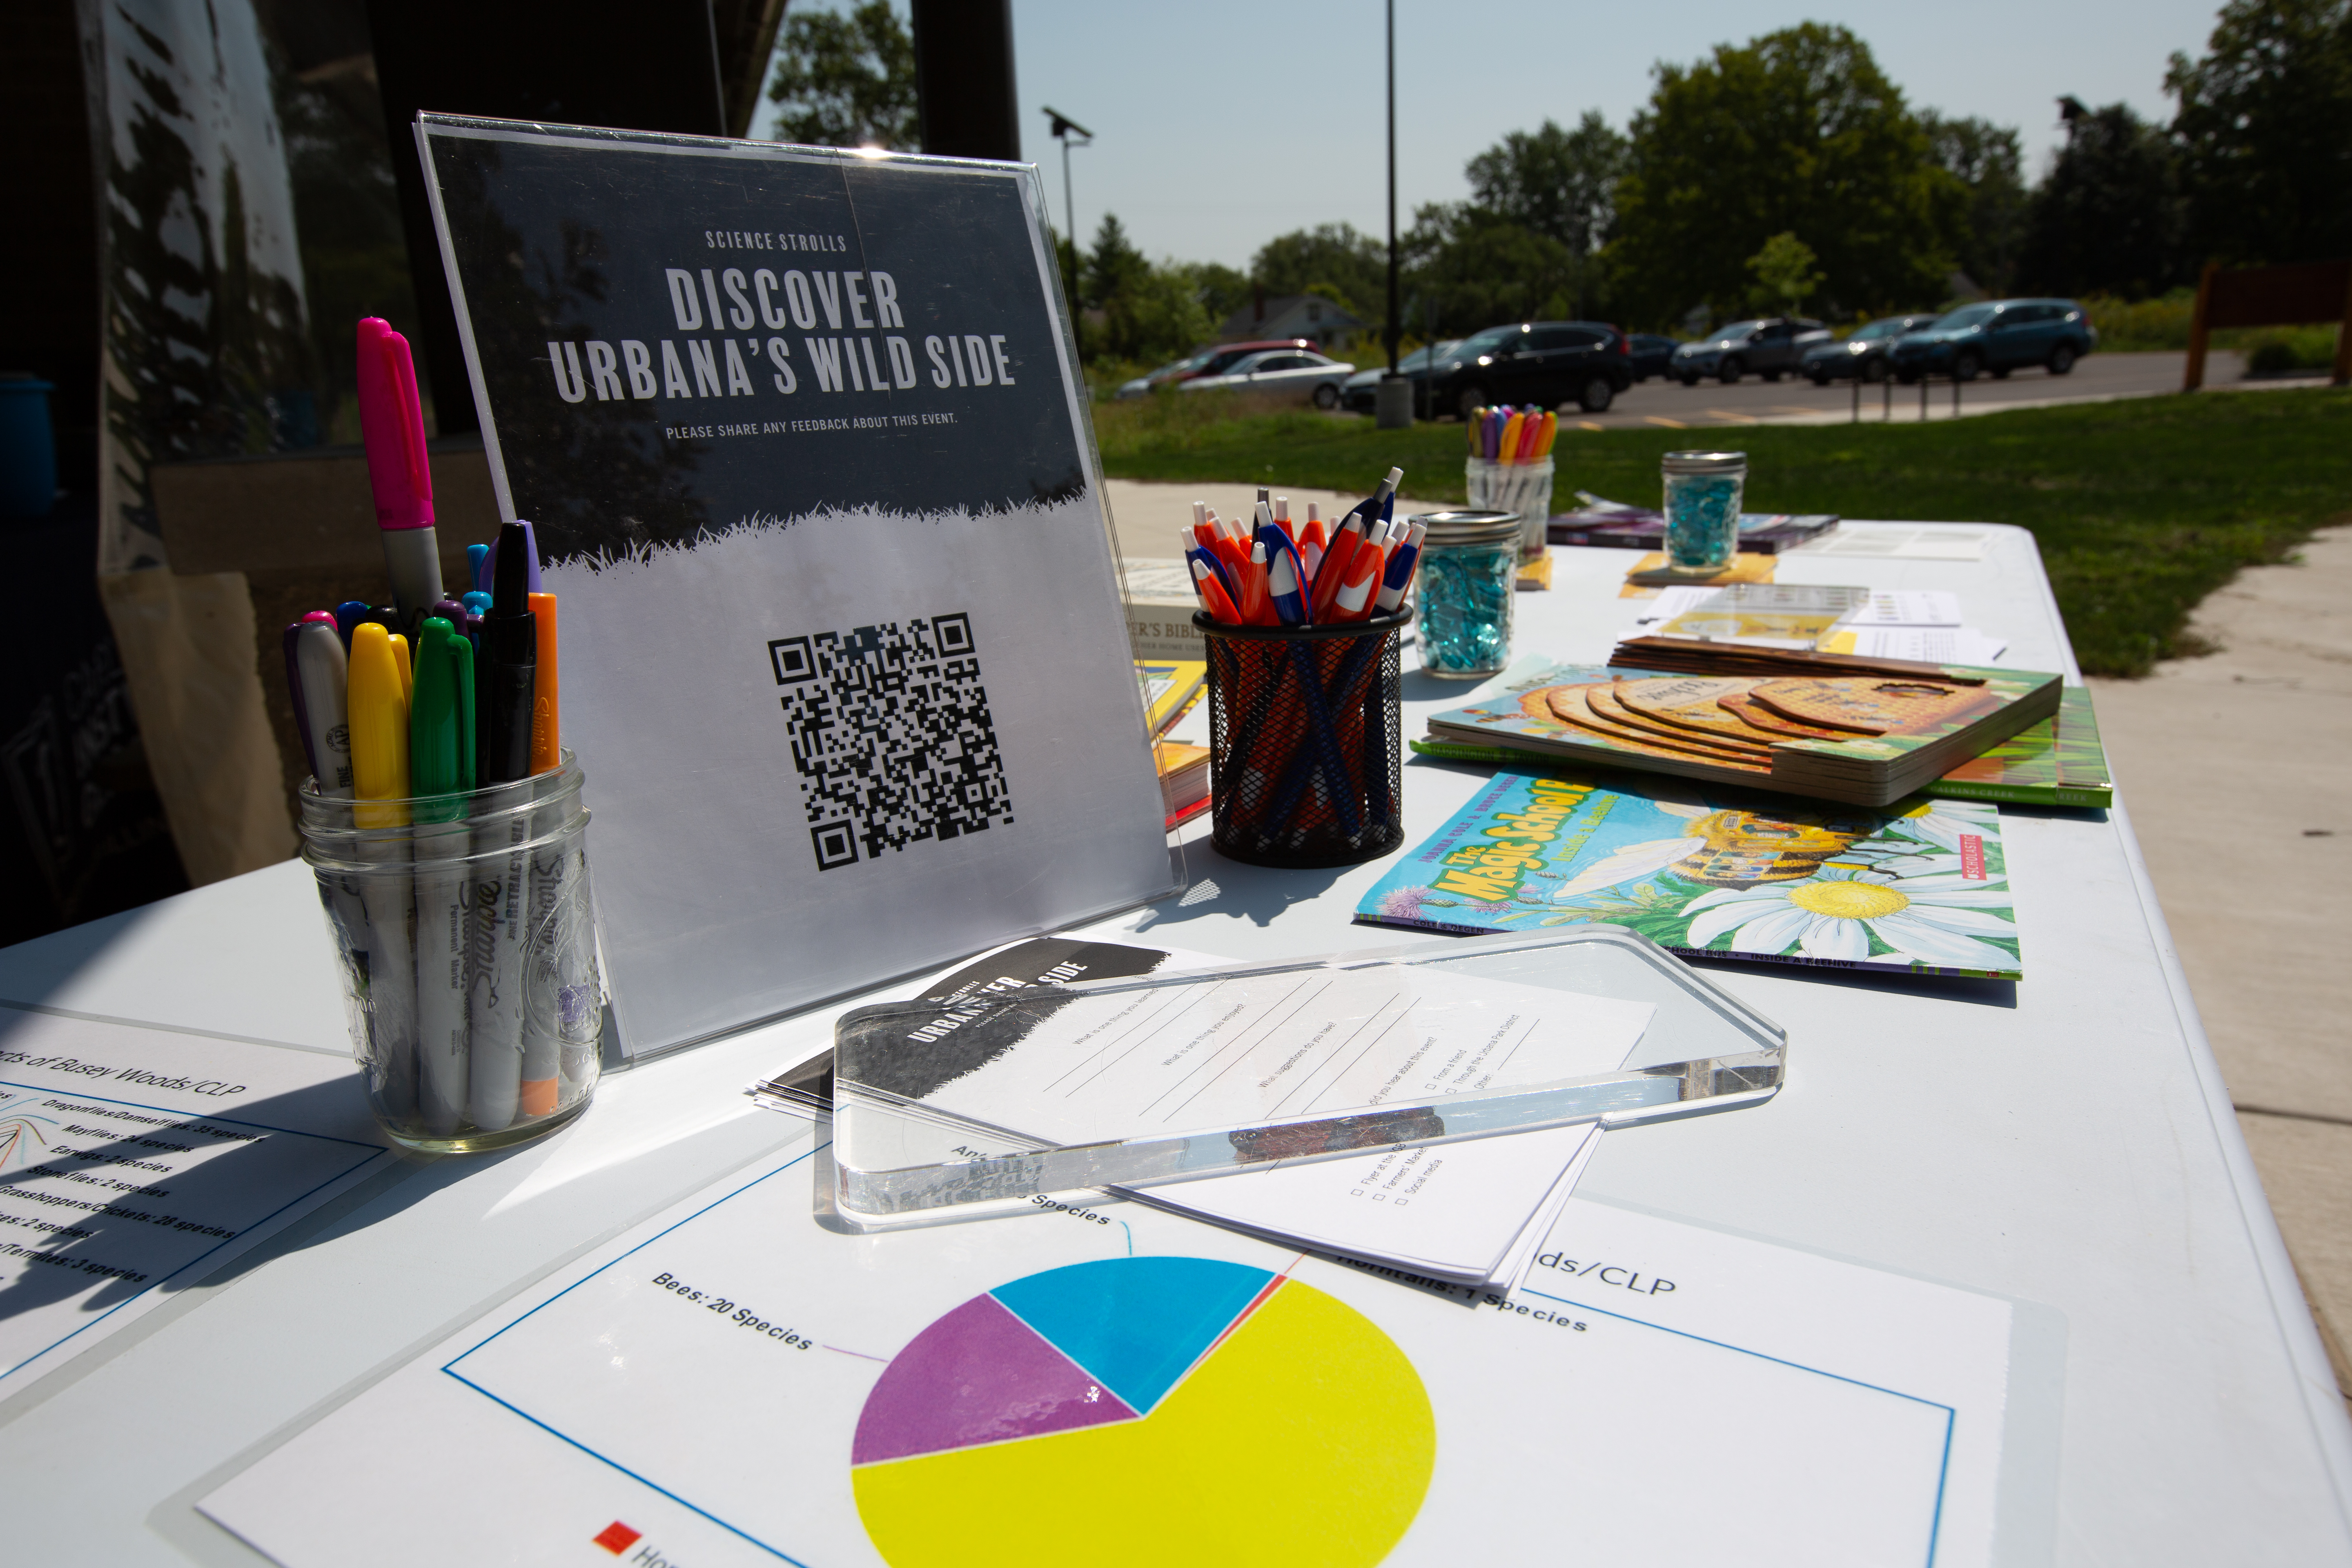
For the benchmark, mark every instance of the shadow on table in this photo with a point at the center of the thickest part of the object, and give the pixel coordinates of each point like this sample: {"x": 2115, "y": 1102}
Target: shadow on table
{"x": 1227, "y": 889}
{"x": 1419, "y": 685}
{"x": 1936, "y": 987}
{"x": 112, "y": 1212}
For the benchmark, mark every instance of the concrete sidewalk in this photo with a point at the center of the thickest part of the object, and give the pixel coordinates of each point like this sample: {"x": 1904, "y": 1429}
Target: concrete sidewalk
{"x": 2235, "y": 768}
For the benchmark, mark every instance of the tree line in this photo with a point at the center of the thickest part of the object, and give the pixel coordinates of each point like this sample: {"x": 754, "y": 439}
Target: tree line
{"x": 1788, "y": 174}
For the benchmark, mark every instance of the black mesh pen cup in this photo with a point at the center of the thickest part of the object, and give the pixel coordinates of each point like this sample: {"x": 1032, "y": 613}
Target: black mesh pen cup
{"x": 1306, "y": 740}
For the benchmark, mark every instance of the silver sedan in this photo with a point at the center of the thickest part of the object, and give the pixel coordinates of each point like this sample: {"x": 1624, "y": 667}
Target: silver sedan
{"x": 1289, "y": 372}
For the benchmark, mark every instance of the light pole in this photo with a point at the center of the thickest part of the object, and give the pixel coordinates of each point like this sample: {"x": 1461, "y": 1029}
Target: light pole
{"x": 1064, "y": 126}
{"x": 1393, "y": 400}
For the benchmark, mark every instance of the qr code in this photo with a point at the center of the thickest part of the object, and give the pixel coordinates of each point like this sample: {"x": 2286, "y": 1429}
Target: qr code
{"x": 891, "y": 736}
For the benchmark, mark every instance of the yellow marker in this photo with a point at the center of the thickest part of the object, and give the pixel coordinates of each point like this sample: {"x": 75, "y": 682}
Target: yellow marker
{"x": 378, "y": 715}
{"x": 405, "y": 658}
{"x": 1507, "y": 450}
{"x": 546, "y": 690}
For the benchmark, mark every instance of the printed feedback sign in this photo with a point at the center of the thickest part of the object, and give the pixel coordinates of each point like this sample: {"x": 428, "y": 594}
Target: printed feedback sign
{"x": 845, "y": 660}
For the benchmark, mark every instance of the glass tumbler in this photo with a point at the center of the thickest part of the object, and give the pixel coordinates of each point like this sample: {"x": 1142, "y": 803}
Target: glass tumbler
{"x": 1468, "y": 562}
{"x": 466, "y": 935}
{"x": 1703, "y": 495}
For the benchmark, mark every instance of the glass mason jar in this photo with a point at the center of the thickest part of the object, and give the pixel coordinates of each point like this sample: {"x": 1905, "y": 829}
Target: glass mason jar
{"x": 1703, "y": 495}
{"x": 466, "y": 937}
{"x": 1522, "y": 488}
{"x": 1468, "y": 562}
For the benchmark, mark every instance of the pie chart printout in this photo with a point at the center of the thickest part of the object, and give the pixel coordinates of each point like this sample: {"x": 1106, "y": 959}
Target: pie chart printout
{"x": 1145, "y": 1411}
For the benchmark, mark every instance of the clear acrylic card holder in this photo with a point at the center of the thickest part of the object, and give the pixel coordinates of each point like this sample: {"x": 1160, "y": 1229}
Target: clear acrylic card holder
{"x": 976, "y": 1109}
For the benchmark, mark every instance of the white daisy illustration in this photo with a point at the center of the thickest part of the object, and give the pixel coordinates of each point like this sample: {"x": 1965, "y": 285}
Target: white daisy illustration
{"x": 1935, "y": 918}
{"x": 1942, "y": 821}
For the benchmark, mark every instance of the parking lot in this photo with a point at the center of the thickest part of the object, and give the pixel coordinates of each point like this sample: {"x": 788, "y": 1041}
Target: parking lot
{"x": 1792, "y": 400}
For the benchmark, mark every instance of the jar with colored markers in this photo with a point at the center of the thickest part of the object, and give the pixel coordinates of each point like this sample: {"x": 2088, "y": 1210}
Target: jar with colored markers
{"x": 1467, "y": 564}
{"x": 1703, "y": 495}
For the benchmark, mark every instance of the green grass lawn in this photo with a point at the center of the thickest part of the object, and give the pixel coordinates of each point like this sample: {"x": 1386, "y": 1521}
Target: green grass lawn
{"x": 2141, "y": 508}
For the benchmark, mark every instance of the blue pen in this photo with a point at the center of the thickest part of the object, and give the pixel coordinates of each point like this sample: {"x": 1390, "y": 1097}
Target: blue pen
{"x": 1282, "y": 585}
{"x": 349, "y": 613}
{"x": 1192, "y": 552}
{"x": 1284, "y": 571}
{"x": 476, "y": 602}
{"x": 1400, "y": 571}
{"x": 477, "y": 555}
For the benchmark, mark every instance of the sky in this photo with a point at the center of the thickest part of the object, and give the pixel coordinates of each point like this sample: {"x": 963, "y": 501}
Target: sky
{"x": 1220, "y": 124}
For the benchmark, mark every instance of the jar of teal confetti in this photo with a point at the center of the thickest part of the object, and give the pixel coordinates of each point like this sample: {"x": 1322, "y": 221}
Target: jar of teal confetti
{"x": 1703, "y": 493}
{"x": 1468, "y": 562}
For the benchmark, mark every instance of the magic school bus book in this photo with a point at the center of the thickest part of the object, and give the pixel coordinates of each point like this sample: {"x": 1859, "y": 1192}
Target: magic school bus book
{"x": 1920, "y": 887}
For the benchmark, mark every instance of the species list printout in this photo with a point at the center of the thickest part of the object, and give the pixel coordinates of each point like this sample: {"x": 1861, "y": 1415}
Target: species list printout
{"x": 733, "y": 1383}
{"x": 134, "y": 1162}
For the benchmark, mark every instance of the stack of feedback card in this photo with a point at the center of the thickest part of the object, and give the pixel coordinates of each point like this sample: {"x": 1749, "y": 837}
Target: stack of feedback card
{"x": 1463, "y": 1214}
{"x": 1919, "y": 624}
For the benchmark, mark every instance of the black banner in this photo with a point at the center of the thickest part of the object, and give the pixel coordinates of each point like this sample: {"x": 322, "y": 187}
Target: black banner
{"x": 678, "y": 336}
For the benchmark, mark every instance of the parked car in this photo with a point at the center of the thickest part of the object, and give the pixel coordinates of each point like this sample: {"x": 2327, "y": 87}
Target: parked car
{"x": 1212, "y": 361}
{"x": 1543, "y": 363}
{"x": 1996, "y": 335}
{"x": 1771, "y": 346}
{"x": 1362, "y": 390}
{"x": 1652, "y": 354}
{"x": 1861, "y": 355}
{"x": 1298, "y": 371}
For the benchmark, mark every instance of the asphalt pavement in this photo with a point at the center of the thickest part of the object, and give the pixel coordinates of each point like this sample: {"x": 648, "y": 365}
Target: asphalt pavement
{"x": 1793, "y": 400}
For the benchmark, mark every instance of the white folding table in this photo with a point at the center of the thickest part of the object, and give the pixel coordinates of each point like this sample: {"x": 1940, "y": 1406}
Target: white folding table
{"x": 2066, "y": 1140}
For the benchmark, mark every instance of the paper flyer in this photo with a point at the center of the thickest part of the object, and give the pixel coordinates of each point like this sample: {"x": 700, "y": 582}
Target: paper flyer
{"x": 135, "y": 1162}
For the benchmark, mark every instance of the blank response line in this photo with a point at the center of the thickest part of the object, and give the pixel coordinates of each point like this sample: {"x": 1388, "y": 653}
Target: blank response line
{"x": 1495, "y": 1072}
{"x": 1375, "y": 1040}
{"x": 1174, "y": 997}
{"x": 1307, "y": 1077}
{"x": 1237, "y": 1060}
{"x": 1241, "y": 1042}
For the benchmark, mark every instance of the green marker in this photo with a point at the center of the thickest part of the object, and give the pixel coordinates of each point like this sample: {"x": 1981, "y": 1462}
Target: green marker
{"x": 441, "y": 767}
{"x": 441, "y": 715}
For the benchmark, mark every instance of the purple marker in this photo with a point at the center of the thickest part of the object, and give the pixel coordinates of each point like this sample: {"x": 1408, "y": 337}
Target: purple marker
{"x": 490, "y": 561}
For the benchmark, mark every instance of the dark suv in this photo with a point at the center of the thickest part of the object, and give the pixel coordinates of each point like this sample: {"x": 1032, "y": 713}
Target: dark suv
{"x": 1996, "y": 335}
{"x": 1543, "y": 363}
{"x": 1772, "y": 345}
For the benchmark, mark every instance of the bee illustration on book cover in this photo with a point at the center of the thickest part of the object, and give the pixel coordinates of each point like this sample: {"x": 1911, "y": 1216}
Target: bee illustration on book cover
{"x": 1920, "y": 887}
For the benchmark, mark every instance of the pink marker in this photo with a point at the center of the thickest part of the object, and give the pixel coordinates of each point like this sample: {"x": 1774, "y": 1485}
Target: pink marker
{"x": 392, "y": 423}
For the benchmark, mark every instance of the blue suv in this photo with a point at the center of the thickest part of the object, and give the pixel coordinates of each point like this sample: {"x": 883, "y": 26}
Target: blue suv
{"x": 1998, "y": 336}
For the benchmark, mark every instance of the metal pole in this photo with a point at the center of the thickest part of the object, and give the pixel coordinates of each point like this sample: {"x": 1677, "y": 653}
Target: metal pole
{"x": 1394, "y": 324}
{"x": 1393, "y": 399}
{"x": 1887, "y": 398}
{"x": 1857, "y": 398}
{"x": 1069, "y": 203}
{"x": 1955, "y": 397}
{"x": 1923, "y": 397}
